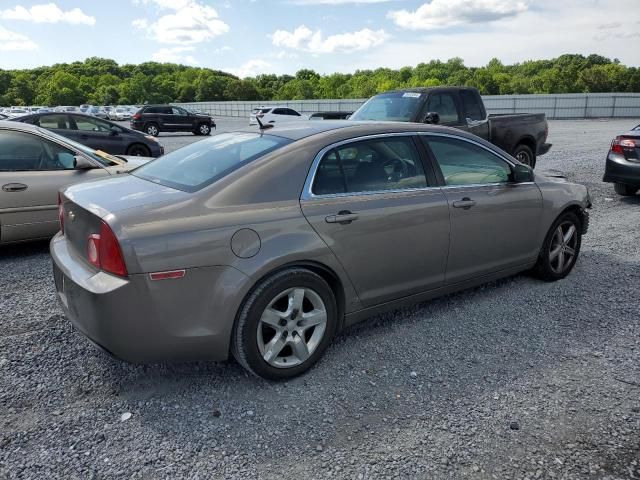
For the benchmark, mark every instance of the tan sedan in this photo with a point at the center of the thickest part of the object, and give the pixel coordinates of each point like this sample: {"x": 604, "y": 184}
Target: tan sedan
{"x": 34, "y": 165}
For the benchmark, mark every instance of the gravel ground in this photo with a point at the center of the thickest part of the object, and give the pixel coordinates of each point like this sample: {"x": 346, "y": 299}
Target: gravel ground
{"x": 515, "y": 379}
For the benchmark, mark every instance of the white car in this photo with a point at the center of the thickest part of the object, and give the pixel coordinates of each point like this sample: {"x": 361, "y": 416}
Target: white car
{"x": 119, "y": 113}
{"x": 16, "y": 112}
{"x": 274, "y": 115}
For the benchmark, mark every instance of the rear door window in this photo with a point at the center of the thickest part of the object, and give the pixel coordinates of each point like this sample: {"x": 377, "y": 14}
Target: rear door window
{"x": 380, "y": 164}
{"x": 60, "y": 122}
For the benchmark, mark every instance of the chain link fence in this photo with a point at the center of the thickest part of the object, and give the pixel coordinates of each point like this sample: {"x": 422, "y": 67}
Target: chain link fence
{"x": 561, "y": 106}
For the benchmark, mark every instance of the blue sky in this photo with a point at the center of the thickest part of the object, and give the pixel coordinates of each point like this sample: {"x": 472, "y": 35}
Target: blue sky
{"x": 248, "y": 37}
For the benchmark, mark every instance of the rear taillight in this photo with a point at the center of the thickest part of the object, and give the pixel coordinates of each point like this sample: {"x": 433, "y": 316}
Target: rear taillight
{"x": 136, "y": 116}
{"x": 103, "y": 251}
{"x": 620, "y": 143}
{"x": 60, "y": 213}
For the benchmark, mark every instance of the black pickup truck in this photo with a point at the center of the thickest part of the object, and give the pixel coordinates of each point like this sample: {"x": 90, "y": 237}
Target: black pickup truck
{"x": 523, "y": 135}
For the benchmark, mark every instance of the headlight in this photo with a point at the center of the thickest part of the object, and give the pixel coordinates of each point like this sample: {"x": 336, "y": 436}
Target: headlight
{"x": 149, "y": 137}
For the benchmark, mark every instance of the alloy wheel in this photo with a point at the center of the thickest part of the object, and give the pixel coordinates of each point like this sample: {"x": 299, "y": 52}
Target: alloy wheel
{"x": 291, "y": 327}
{"x": 152, "y": 130}
{"x": 523, "y": 157}
{"x": 563, "y": 246}
{"x": 204, "y": 129}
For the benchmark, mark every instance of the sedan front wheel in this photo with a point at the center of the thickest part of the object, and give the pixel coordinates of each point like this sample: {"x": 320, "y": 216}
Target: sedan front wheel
{"x": 285, "y": 325}
{"x": 560, "y": 249}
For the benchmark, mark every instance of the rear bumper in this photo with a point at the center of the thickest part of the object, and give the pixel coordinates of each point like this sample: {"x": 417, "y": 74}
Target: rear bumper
{"x": 544, "y": 148}
{"x": 136, "y": 124}
{"x": 619, "y": 170}
{"x": 139, "y": 320}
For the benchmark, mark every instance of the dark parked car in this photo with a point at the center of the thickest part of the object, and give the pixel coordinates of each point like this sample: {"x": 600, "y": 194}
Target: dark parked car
{"x": 153, "y": 119}
{"x": 330, "y": 115}
{"x": 623, "y": 163}
{"x": 523, "y": 135}
{"x": 96, "y": 133}
{"x": 266, "y": 244}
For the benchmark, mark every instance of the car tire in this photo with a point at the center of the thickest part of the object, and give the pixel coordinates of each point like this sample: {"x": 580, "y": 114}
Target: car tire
{"x": 525, "y": 155}
{"x": 625, "y": 190}
{"x": 152, "y": 129}
{"x": 203, "y": 129}
{"x": 558, "y": 256}
{"x": 138, "y": 150}
{"x": 255, "y": 337}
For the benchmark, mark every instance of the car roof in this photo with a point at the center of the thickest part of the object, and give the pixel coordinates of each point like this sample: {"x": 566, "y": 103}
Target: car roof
{"x": 302, "y": 129}
{"x": 25, "y": 127}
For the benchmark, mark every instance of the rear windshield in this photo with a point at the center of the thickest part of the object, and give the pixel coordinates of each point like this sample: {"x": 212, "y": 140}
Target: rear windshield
{"x": 197, "y": 165}
{"x": 394, "y": 106}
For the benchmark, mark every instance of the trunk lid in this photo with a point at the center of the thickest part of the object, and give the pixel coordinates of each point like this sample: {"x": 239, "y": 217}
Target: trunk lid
{"x": 86, "y": 205}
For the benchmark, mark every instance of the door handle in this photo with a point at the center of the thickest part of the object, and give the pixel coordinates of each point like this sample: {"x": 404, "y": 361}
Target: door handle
{"x": 14, "y": 187}
{"x": 466, "y": 203}
{"x": 343, "y": 217}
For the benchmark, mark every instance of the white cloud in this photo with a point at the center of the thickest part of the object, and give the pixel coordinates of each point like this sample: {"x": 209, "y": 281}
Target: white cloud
{"x": 47, "y": 13}
{"x": 447, "y": 13}
{"x": 335, "y": 2}
{"x": 250, "y": 69}
{"x": 175, "y": 55}
{"x": 13, "y": 42}
{"x": 189, "y": 22}
{"x": 302, "y": 38}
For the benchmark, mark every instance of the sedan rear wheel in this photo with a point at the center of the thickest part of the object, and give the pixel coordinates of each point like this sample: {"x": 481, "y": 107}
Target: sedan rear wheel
{"x": 560, "y": 249}
{"x": 285, "y": 324}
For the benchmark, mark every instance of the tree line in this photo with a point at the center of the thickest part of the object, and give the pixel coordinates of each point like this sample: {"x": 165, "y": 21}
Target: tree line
{"x": 102, "y": 81}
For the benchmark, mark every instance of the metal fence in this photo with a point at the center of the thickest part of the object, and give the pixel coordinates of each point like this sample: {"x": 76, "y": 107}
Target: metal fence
{"x": 561, "y": 106}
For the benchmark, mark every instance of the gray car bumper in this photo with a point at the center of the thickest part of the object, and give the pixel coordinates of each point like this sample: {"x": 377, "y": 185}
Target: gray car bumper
{"x": 140, "y": 320}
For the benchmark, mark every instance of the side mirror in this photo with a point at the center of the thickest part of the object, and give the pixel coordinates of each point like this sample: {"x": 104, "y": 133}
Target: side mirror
{"x": 432, "y": 117}
{"x": 81, "y": 163}
{"x": 114, "y": 131}
{"x": 522, "y": 173}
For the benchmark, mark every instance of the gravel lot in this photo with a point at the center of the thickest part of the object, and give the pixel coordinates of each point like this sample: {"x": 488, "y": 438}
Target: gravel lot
{"x": 515, "y": 379}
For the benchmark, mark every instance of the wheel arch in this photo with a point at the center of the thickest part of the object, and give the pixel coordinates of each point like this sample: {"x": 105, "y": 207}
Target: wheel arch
{"x": 580, "y": 212}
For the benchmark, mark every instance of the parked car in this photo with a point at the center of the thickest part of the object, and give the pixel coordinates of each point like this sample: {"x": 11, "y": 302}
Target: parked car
{"x": 16, "y": 112}
{"x": 97, "y": 112}
{"x": 153, "y": 119}
{"x": 330, "y": 115}
{"x": 84, "y": 107}
{"x": 97, "y": 134}
{"x": 522, "y": 135}
{"x": 266, "y": 244}
{"x": 119, "y": 114}
{"x": 274, "y": 114}
{"x": 34, "y": 164}
{"x": 623, "y": 163}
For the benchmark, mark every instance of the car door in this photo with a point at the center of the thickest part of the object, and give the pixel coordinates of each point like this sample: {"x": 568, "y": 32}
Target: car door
{"x": 99, "y": 134}
{"x": 494, "y": 222}
{"x": 183, "y": 121}
{"x": 32, "y": 170}
{"x": 371, "y": 203}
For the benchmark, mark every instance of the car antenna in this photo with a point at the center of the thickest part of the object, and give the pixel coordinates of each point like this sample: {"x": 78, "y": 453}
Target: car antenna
{"x": 263, "y": 126}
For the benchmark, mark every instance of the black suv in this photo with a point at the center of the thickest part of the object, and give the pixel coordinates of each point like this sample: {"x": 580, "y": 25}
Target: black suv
{"x": 153, "y": 119}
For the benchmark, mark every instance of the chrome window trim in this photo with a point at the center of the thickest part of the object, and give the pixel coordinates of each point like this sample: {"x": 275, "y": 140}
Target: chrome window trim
{"x": 307, "y": 193}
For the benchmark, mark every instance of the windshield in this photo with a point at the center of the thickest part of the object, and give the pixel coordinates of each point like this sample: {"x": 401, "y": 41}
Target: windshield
{"x": 197, "y": 165}
{"x": 99, "y": 156}
{"x": 394, "y": 106}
